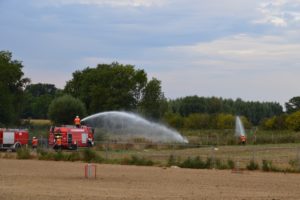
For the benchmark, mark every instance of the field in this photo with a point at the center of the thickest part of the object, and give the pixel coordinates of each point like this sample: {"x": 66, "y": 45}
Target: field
{"x": 32, "y": 179}
{"x": 279, "y": 154}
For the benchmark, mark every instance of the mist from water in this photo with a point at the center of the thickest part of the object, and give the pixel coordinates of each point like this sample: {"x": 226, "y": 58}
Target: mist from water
{"x": 239, "y": 128}
{"x": 133, "y": 126}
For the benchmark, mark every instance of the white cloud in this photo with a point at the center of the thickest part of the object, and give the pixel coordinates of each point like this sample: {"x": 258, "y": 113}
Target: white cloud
{"x": 279, "y": 12}
{"x": 235, "y": 52}
{"x": 251, "y": 67}
{"x": 132, "y": 3}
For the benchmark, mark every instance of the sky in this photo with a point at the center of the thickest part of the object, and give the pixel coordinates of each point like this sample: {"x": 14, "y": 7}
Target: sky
{"x": 245, "y": 49}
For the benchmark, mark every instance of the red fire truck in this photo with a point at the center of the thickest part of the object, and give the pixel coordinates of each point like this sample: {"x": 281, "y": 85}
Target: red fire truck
{"x": 13, "y": 139}
{"x": 71, "y": 136}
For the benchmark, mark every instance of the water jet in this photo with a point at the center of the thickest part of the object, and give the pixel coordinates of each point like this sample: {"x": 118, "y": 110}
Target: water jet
{"x": 131, "y": 125}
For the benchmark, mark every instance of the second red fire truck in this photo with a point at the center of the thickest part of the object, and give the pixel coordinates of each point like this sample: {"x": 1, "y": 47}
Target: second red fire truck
{"x": 13, "y": 139}
{"x": 71, "y": 137}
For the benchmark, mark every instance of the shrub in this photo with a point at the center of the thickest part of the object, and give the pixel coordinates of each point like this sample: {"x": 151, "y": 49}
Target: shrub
{"x": 23, "y": 153}
{"x": 293, "y": 121}
{"x": 135, "y": 160}
{"x": 230, "y": 164}
{"x": 209, "y": 163}
{"x": 295, "y": 163}
{"x": 63, "y": 109}
{"x": 194, "y": 163}
{"x": 267, "y": 166}
{"x": 45, "y": 155}
{"x": 58, "y": 156}
{"x": 172, "y": 161}
{"x": 252, "y": 165}
{"x": 220, "y": 165}
{"x": 90, "y": 155}
{"x": 74, "y": 156}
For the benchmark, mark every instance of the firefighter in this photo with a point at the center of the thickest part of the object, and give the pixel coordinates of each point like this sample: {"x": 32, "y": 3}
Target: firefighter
{"x": 243, "y": 139}
{"x": 74, "y": 145}
{"x": 34, "y": 143}
{"x": 77, "y": 121}
{"x": 90, "y": 142}
{"x": 58, "y": 143}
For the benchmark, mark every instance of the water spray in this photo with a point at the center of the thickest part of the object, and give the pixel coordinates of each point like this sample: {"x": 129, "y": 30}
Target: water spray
{"x": 132, "y": 125}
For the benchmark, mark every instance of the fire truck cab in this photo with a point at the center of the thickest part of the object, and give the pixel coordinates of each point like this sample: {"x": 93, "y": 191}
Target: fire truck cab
{"x": 71, "y": 136}
{"x": 13, "y": 139}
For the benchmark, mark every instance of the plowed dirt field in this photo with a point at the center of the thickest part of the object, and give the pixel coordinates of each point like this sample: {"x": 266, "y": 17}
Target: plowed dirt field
{"x": 43, "y": 180}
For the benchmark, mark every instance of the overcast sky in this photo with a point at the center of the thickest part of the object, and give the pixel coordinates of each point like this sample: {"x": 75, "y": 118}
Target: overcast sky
{"x": 225, "y": 48}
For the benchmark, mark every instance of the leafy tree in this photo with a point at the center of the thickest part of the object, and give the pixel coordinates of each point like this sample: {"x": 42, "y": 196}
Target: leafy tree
{"x": 225, "y": 121}
{"x": 12, "y": 84}
{"x": 246, "y": 123}
{"x": 37, "y": 100}
{"x": 254, "y": 111}
{"x": 41, "y": 89}
{"x": 174, "y": 120}
{"x": 275, "y": 123}
{"x": 62, "y": 110}
{"x": 153, "y": 103}
{"x": 108, "y": 87}
{"x": 293, "y": 105}
{"x": 293, "y": 121}
{"x": 197, "y": 121}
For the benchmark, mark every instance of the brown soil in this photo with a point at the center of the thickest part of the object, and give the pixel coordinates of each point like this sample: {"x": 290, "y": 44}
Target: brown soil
{"x": 43, "y": 180}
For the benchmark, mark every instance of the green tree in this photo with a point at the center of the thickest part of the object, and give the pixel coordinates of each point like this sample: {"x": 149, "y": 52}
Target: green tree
{"x": 254, "y": 111}
{"x": 275, "y": 123}
{"x": 12, "y": 84}
{"x": 63, "y": 110}
{"x": 293, "y": 121}
{"x": 174, "y": 120}
{"x": 108, "y": 87}
{"x": 197, "y": 121}
{"x": 153, "y": 103}
{"x": 37, "y": 99}
{"x": 225, "y": 121}
{"x": 293, "y": 105}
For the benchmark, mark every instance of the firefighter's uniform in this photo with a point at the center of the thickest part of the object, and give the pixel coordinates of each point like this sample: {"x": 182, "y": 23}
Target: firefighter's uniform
{"x": 34, "y": 142}
{"x": 77, "y": 121}
{"x": 58, "y": 143}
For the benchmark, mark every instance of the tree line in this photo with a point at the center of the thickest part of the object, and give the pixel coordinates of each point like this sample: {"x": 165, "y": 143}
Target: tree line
{"x": 254, "y": 111}
{"x": 116, "y": 86}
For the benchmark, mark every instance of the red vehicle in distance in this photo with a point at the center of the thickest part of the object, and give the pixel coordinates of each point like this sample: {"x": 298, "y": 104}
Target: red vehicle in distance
{"x": 71, "y": 137}
{"x": 13, "y": 139}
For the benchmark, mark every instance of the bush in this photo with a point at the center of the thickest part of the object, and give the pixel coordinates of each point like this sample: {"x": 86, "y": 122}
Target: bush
{"x": 45, "y": 155}
{"x": 295, "y": 164}
{"x": 90, "y": 155}
{"x": 194, "y": 163}
{"x": 23, "y": 153}
{"x": 220, "y": 165}
{"x": 252, "y": 165}
{"x": 63, "y": 109}
{"x": 59, "y": 156}
{"x": 135, "y": 160}
{"x": 267, "y": 166}
{"x": 74, "y": 156}
{"x": 230, "y": 164}
{"x": 209, "y": 163}
{"x": 172, "y": 161}
{"x": 293, "y": 121}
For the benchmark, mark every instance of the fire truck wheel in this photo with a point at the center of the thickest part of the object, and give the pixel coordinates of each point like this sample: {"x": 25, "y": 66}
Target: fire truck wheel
{"x": 17, "y": 146}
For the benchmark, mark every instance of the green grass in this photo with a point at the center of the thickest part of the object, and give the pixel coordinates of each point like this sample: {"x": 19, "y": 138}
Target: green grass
{"x": 271, "y": 157}
{"x": 226, "y": 137}
{"x": 23, "y": 153}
